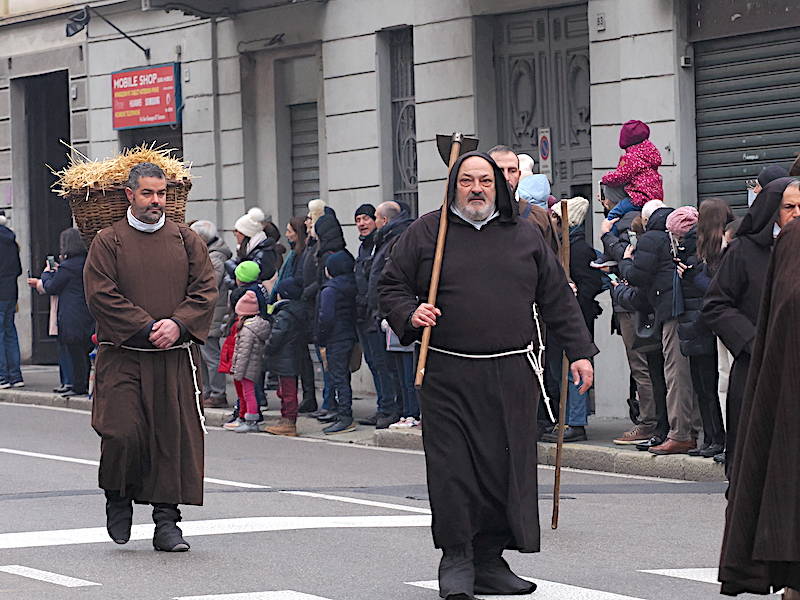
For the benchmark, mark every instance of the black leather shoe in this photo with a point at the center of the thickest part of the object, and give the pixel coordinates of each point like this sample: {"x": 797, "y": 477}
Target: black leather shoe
{"x": 383, "y": 421}
{"x": 62, "y": 388}
{"x": 711, "y": 450}
{"x": 119, "y": 517}
{"x": 318, "y": 413}
{"x": 720, "y": 458}
{"x": 329, "y": 417}
{"x": 370, "y": 421}
{"x": 656, "y": 440}
{"x": 571, "y": 434}
{"x": 309, "y": 405}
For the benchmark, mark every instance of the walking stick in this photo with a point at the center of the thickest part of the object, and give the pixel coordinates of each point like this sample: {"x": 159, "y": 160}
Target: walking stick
{"x": 458, "y": 145}
{"x": 562, "y": 402}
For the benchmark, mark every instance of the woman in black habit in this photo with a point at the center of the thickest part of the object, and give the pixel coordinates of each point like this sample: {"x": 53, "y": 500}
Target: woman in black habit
{"x": 761, "y": 548}
{"x": 480, "y": 413}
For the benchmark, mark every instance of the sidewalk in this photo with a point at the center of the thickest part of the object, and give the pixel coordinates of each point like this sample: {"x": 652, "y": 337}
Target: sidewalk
{"x": 597, "y": 454}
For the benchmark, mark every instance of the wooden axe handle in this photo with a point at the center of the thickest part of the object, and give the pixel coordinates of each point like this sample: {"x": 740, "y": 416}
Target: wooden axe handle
{"x": 433, "y": 291}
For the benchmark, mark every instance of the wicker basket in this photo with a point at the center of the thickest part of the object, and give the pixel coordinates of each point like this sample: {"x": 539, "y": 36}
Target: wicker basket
{"x": 102, "y": 208}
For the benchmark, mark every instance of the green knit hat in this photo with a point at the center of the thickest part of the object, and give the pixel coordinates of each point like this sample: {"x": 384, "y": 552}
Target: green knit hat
{"x": 247, "y": 271}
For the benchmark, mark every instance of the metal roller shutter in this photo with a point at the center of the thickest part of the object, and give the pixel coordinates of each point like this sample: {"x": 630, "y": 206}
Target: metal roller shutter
{"x": 305, "y": 155}
{"x": 748, "y": 109}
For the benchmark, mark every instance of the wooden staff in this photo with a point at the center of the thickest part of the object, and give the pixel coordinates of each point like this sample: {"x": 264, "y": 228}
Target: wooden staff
{"x": 562, "y": 405}
{"x": 455, "y": 152}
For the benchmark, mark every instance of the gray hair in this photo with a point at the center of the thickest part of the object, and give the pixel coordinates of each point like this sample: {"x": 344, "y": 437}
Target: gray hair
{"x": 501, "y": 149}
{"x": 795, "y": 183}
{"x": 144, "y": 169}
{"x": 205, "y": 229}
{"x": 389, "y": 209}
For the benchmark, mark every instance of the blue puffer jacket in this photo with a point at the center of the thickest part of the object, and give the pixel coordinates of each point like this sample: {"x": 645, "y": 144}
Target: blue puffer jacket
{"x": 337, "y": 310}
{"x": 75, "y": 324}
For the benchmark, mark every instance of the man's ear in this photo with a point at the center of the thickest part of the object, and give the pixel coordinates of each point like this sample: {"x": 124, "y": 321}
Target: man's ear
{"x": 129, "y": 194}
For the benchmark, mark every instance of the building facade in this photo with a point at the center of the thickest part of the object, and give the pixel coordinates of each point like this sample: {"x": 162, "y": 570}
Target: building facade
{"x": 282, "y": 101}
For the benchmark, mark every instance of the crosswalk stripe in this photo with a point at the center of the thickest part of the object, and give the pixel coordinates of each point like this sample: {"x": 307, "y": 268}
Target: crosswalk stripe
{"x": 46, "y": 576}
{"x": 93, "y": 535}
{"x": 709, "y": 575}
{"x": 282, "y": 595}
{"x": 545, "y": 590}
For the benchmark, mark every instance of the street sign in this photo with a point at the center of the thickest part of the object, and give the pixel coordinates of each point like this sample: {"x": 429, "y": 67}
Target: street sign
{"x": 545, "y": 153}
{"x": 145, "y": 97}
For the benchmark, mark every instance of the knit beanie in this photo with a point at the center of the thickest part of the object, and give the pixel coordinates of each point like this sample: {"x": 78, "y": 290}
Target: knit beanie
{"x": 340, "y": 263}
{"x": 326, "y": 225}
{"x": 550, "y": 201}
{"x": 771, "y": 173}
{"x": 366, "y": 209}
{"x": 251, "y": 223}
{"x": 247, "y": 271}
{"x": 316, "y": 208}
{"x": 576, "y": 209}
{"x": 681, "y": 220}
{"x": 650, "y": 207}
{"x": 525, "y": 165}
{"x": 290, "y": 289}
{"x": 535, "y": 189}
{"x": 247, "y": 304}
{"x": 632, "y": 133}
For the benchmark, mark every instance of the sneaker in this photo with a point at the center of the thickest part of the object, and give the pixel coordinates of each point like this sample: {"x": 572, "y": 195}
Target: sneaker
{"x": 4, "y": 384}
{"x": 231, "y": 425}
{"x": 636, "y": 435}
{"x": 18, "y": 384}
{"x": 248, "y": 426}
{"x": 405, "y": 423}
{"x": 341, "y": 426}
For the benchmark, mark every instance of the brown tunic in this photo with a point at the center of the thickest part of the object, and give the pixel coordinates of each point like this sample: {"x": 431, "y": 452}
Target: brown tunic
{"x": 144, "y": 402}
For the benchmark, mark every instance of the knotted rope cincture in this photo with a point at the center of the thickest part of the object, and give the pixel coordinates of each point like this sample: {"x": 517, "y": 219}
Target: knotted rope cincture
{"x": 188, "y": 347}
{"x": 535, "y": 359}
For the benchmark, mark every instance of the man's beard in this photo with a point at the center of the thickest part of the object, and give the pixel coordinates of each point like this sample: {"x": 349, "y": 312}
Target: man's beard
{"x": 146, "y": 217}
{"x": 475, "y": 213}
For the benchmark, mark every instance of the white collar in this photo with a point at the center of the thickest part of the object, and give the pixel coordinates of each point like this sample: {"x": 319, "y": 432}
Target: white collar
{"x": 145, "y": 227}
{"x": 776, "y": 229}
{"x": 476, "y": 224}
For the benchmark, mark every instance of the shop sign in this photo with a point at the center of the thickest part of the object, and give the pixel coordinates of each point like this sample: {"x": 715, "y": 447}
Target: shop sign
{"x": 146, "y": 97}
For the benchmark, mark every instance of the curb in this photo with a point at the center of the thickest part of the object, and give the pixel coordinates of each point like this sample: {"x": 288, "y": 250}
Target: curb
{"x": 593, "y": 458}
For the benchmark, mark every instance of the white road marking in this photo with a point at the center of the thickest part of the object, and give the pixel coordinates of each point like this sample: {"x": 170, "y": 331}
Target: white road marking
{"x": 282, "y": 595}
{"x": 614, "y": 475}
{"x": 46, "y": 576}
{"x": 56, "y": 408}
{"x": 545, "y": 590}
{"x": 239, "y": 484}
{"x": 700, "y": 575}
{"x": 93, "y": 535}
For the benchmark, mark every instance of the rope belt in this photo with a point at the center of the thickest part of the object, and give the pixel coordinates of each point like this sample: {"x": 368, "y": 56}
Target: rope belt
{"x": 534, "y": 355}
{"x": 185, "y": 346}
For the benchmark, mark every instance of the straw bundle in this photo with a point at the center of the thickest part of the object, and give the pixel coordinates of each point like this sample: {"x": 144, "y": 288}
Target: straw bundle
{"x": 96, "y": 189}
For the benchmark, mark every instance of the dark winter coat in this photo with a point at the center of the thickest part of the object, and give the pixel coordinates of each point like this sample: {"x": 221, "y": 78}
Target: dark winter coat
{"x": 385, "y": 240}
{"x": 10, "y": 266}
{"x": 733, "y": 299}
{"x": 362, "y": 271}
{"x": 760, "y": 551}
{"x": 614, "y": 246}
{"x": 588, "y": 280}
{"x": 75, "y": 324}
{"x": 336, "y": 318}
{"x": 285, "y": 344}
{"x": 219, "y": 253}
{"x": 695, "y": 337}
{"x": 290, "y": 268}
{"x": 265, "y": 254}
{"x": 480, "y": 415}
{"x": 652, "y": 267}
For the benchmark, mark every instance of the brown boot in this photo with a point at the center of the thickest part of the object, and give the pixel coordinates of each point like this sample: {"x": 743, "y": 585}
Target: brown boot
{"x": 212, "y": 402}
{"x": 285, "y": 427}
{"x": 673, "y": 447}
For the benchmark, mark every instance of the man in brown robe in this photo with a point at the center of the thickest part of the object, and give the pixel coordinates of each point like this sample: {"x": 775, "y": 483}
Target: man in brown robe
{"x": 761, "y": 547}
{"x": 480, "y": 394}
{"x": 150, "y": 286}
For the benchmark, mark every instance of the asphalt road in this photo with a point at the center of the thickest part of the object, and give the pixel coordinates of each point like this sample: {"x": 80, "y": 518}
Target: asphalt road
{"x": 291, "y": 519}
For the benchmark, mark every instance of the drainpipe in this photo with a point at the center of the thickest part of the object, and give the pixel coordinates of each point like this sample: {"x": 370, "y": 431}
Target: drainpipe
{"x": 215, "y": 123}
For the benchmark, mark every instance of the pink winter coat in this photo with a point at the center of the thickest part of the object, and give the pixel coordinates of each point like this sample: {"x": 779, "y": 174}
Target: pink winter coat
{"x": 637, "y": 171}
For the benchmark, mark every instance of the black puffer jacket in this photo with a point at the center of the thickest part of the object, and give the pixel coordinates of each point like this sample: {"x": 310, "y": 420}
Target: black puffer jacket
{"x": 588, "y": 280}
{"x": 10, "y": 266}
{"x": 652, "y": 268}
{"x": 385, "y": 240}
{"x": 695, "y": 337}
{"x": 285, "y": 342}
{"x": 363, "y": 265}
{"x": 264, "y": 254}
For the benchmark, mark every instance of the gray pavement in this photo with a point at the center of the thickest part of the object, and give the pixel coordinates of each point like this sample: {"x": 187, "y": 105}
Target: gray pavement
{"x": 307, "y": 519}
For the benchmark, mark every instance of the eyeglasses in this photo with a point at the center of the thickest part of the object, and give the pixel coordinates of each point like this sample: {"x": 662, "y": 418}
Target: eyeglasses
{"x": 751, "y": 183}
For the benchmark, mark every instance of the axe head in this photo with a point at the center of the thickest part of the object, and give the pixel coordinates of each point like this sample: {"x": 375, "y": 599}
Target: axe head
{"x": 444, "y": 142}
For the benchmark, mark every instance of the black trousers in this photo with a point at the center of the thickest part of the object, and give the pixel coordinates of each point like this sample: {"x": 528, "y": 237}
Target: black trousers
{"x": 705, "y": 378}
{"x": 79, "y": 355}
{"x": 655, "y": 366}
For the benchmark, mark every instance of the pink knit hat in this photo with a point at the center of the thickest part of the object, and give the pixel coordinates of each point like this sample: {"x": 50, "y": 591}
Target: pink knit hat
{"x": 681, "y": 220}
{"x": 632, "y": 133}
{"x": 247, "y": 304}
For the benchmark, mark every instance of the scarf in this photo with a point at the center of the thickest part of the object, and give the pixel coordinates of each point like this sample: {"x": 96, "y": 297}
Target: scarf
{"x": 145, "y": 227}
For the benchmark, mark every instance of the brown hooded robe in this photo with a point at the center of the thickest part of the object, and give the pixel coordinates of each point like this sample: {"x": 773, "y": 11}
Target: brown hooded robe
{"x": 480, "y": 426}
{"x": 761, "y": 548}
{"x": 144, "y": 402}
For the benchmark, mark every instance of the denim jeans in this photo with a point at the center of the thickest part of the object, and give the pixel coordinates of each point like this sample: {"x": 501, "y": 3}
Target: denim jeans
{"x": 338, "y": 354}
{"x": 214, "y": 381}
{"x": 328, "y": 397}
{"x": 404, "y": 367}
{"x": 577, "y": 403}
{"x": 375, "y": 361}
{"x": 9, "y": 343}
{"x": 390, "y": 399}
{"x": 64, "y": 364}
{"x": 624, "y": 206}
